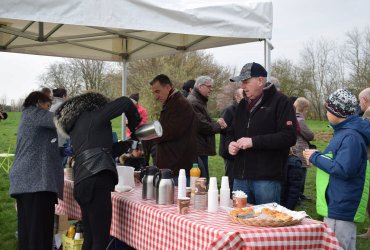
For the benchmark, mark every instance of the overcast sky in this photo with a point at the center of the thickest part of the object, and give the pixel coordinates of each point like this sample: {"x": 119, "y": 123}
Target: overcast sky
{"x": 295, "y": 23}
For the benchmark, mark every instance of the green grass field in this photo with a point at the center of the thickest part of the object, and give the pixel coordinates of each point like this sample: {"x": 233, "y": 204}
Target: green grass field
{"x": 8, "y": 220}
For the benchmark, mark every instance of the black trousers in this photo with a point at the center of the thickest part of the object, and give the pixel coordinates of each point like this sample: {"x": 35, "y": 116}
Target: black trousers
{"x": 36, "y": 220}
{"x": 94, "y": 197}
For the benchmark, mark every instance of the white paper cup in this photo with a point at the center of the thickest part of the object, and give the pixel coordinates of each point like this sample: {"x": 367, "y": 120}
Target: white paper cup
{"x": 225, "y": 182}
{"x": 212, "y": 183}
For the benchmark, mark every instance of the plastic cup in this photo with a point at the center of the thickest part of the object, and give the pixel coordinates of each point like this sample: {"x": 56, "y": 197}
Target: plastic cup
{"x": 183, "y": 204}
{"x": 239, "y": 202}
{"x": 305, "y": 153}
{"x": 188, "y": 192}
{"x": 225, "y": 182}
{"x": 212, "y": 183}
{"x": 182, "y": 172}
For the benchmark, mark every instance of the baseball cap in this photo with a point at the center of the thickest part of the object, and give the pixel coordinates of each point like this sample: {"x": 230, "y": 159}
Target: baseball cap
{"x": 341, "y": 103}
{"x": 250, "y": 70}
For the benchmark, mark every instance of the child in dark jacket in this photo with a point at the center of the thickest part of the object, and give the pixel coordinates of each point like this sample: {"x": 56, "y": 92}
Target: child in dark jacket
{"x": 135, "y": 158}
{"x": 342, "y": 181}
{"x": 291, "y": 188}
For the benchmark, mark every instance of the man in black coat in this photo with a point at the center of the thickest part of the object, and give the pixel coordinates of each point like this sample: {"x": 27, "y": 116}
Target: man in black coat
{"x": 228, "y": 115}
{"x": 263, "y": 130}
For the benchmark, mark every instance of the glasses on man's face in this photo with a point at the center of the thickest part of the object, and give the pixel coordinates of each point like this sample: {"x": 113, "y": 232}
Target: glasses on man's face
{"x": 210, "y": 87}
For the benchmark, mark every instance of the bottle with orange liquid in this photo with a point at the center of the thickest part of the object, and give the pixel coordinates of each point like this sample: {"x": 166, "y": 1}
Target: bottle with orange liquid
{"x": 194, "y": 175}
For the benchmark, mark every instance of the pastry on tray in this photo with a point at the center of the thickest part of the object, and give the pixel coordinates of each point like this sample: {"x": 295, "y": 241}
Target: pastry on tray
{"x": 246, "y": 212}
{"x": 263, "y": 216}
{"x": 276, "y": 214}
{"x": 266, "y": 213}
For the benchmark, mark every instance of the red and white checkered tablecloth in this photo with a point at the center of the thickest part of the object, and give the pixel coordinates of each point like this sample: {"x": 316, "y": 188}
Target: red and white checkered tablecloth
{"x": 68, "y": 206}
{"x": 146, "y": 225}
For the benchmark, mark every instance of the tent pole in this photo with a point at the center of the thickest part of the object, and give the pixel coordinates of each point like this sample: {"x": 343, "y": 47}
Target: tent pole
{"x": 268, "y": 47}
{"x": 124, "y": 91}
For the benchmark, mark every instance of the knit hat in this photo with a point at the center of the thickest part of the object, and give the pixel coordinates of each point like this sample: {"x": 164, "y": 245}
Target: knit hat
{"x": 341, "y": 103}
{"x": 135, "y": 97}
{"x": 250, "y": 70}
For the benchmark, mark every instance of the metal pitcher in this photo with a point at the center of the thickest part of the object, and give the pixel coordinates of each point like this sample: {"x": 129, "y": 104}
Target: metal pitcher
{"x": 149, "y": 131}
{"x": 148, "y": 187}
{"x": 165, "y": 187}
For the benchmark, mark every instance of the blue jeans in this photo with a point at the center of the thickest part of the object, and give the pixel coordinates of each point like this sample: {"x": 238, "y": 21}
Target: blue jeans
{"x": 259, "y": 191}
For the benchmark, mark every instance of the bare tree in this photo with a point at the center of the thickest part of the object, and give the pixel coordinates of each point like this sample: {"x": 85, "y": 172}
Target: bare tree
{"x": 3, "y": 100}
{"x": 226, "y": 95}
{"x": 179, "y": 68}
{"x": 91, "y": 72}
{"x": 62, "y": 75}
{"x": 291, "y": 78}
{"x": 317, "y": 63}
{"x": 358, "y": 58}
{"x": 78, "y": 75}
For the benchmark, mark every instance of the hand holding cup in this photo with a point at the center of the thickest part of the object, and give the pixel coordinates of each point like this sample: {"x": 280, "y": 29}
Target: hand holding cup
{"x": 222, "y": 123}
{"x": 307, "y": 154}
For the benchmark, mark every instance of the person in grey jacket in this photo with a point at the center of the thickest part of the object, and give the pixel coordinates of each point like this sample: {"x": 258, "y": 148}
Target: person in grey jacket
{"x": 36, "y": 177}
{"x": 304, "y": 135}
{"x": 206, "y": 127}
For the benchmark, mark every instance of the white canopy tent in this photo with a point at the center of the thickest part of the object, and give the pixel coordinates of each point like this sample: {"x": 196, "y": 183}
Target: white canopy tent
{"x": 125, "y": 30}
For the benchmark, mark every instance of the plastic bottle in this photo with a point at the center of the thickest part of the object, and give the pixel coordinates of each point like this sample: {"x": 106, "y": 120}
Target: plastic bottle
{"x": 78, "y": 234}
{"x": 71, "y": 230}
{"x": 182, "y": 184}
{"x": 194, "y": 175}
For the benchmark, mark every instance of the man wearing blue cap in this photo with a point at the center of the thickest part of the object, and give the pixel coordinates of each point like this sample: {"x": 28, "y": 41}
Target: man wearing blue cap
{"x": 263, "y": 130}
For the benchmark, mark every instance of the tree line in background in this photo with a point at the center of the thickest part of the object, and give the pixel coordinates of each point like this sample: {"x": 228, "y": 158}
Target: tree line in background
{"x": 323, "y": 67}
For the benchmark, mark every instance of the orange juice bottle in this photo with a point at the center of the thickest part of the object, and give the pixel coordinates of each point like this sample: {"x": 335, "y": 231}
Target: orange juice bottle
{"x": 194, "y": 175}
{"x": 71, "y": 230}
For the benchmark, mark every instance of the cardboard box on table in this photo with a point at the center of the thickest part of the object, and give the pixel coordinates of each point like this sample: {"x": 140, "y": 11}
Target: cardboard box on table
{"x": 63, "y": 223}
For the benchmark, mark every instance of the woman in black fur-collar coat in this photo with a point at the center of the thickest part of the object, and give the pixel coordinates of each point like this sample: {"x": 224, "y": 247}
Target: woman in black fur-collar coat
{"x": 87, "y": 120}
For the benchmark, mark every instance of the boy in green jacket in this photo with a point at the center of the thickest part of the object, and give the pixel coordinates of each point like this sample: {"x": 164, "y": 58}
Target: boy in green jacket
{"x": 342, "y": 180}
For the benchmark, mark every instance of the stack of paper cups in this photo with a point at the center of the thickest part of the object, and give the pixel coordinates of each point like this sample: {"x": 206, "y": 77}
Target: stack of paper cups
{"x": 212, "y": 195}
{"x": 225, "y": 192}
{"x": 182, "y": 184}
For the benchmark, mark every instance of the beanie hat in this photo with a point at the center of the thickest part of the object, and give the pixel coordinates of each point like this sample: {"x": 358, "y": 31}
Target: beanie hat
{"x": 250, "y": 70}
{"x": 341, "y": 103}
{"x": 135, "y": 97}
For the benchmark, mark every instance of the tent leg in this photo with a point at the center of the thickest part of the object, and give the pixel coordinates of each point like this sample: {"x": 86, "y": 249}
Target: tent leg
{"x": 124, "y": 91}
{"x": 268, "y": 48}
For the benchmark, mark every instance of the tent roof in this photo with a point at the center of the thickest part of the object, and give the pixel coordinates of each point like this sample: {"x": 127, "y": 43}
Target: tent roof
{"x": 131, "y": 29}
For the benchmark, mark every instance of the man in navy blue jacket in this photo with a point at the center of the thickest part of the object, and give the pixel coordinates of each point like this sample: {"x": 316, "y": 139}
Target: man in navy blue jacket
{"x": 263, "y": 130}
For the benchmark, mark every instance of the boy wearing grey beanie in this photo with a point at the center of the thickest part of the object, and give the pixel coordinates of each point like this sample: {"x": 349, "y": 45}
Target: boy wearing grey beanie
{"x": 342, "y": 181}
